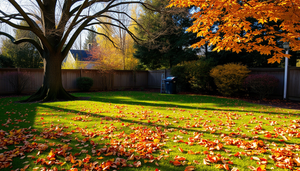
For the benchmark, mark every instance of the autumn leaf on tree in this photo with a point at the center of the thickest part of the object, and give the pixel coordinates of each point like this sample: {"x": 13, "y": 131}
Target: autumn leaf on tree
{"x": 247, "y": 24}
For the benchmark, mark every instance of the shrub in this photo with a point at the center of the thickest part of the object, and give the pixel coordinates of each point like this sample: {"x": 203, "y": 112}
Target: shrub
{"x": 180, "y": 73}
{"x": 261, "y": 84}
{"x": 229, "y": 78}
{"x": 193, "y": 75}
{"x": 84, "y": 83}
{"x": 200, "y": 81}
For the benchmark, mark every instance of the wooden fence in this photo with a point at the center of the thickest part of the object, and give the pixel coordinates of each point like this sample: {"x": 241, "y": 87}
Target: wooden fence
{"x": 154, "y": 78}
{"x": 102, "y": 81}
{"x": 276, "y": 72}
{"x": 119, "y": 79}
{"x": 293, "y": 91}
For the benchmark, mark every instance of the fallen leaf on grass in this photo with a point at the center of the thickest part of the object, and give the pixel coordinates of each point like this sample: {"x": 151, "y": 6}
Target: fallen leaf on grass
{"x": 235, "y": 169}
{"x": 252, "y": 168}
{"x": 51, "y": 156}
{"x": 137, "y": 164}
{"x": 255, "y": 158}
{"x": 176, "y": 163}
{"x": 189, "y": 168}
{"x": 191, "y": 152}
{"x": 25, "y": 167}
{"x": 261, "y": 168}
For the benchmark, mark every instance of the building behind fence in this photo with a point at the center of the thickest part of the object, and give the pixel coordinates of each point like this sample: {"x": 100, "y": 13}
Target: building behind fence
{"x": 122, "y": 79}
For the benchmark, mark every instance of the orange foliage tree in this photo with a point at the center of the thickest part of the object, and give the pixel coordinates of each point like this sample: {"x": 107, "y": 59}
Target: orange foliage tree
{"x": 105, "y": 58}
{"x": 234, "y": 31}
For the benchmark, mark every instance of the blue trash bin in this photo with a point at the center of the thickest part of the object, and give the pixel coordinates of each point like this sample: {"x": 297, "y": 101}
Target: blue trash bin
{"x": 170, "y": 83}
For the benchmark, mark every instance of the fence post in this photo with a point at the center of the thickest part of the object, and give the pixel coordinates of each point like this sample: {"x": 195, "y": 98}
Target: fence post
{"x": 134, "y": 77}
{"x": 18, "y": 80}
{"x": 113, "y": 80}
{"x": 288, "y": 83}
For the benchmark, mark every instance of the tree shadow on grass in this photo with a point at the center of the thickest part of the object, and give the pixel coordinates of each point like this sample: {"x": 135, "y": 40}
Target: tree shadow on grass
{"x": 17, "y": 120}
{"x": 21, "y": 115}
{"x": 131, "y": 100}
{"x": 111, "y": 119}
{"x": 176, "y": 101}
{"x": 142, "y": 123}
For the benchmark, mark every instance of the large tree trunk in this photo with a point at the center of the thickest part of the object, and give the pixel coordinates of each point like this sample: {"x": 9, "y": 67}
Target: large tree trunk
{"x": 52, "y": 89}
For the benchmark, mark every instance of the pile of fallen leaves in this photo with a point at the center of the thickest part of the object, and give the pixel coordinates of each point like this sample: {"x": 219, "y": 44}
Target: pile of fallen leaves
{"x": 139, "y": 147}
{"x": 136, "y": 146}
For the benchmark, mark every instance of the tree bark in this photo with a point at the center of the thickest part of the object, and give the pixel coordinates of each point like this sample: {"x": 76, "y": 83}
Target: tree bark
{"x": 52, "y": 89}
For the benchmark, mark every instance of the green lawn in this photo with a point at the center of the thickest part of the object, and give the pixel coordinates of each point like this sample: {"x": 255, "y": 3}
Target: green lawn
{"x": 123, "y": 130}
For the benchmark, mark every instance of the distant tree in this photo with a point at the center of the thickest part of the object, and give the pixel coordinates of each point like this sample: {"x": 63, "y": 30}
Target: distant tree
{"x": 24, "y": 55}
{"x": 6, "y": 62}
{"x": 124, "y": 42}
{"x": 90, "y": 39}
{"x": 167, "y": 43}
{"x": 106, "y": 56}
{"x": 130, "y": 62}
{"x": 115, "y": 51}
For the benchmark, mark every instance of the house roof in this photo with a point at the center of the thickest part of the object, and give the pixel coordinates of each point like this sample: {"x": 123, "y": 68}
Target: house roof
{"x": 82, "y": 55}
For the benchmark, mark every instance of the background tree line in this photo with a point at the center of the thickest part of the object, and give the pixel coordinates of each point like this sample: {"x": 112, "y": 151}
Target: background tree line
{"x": 165, "y": 43}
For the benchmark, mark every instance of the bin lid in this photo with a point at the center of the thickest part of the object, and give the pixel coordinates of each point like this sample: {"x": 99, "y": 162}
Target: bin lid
{"x": 170, "y": 78}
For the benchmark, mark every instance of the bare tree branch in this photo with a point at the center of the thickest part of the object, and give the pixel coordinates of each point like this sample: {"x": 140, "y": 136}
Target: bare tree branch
{"x": 120, "y": 22}
{"x": 81, "y": 27}
{"x": 11, "y": 16}
{"x": 90, "y": 4}
{"x": 65, "y": 14}
{"x": 41, "y": 5}
{"x": 128, "y": 17}
{"x": 78, "y": 22}
{"x": 102, "y": 34}
{"x": 72, "y": 24}
{"x": 14, "y": 25}
{"x": 90, "y": 18}
{"x": 136, "y": 39}
{"x": 23, "y": 40}
{"x": 17, "y": 15}
{"x": 33, "y": 25}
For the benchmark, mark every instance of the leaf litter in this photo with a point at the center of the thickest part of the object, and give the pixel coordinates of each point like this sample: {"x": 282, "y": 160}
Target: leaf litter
{"x": 261, "y": 138}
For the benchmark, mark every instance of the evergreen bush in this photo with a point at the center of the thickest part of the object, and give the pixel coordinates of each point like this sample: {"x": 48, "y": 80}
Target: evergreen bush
{"x": 180, "y": 73}
{"x": 84, "y": 83}
{"x": 198, "y": 72}
{"x": 193, "y": 75}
